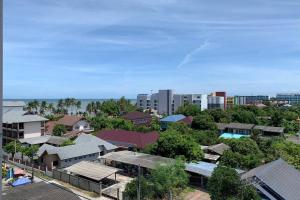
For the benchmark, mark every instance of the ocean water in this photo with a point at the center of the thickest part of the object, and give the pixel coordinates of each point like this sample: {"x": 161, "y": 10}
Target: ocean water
{"x": 84, "y": 102}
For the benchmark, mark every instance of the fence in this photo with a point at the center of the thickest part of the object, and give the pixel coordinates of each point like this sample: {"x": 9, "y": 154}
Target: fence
{"x": 79, "y": 182}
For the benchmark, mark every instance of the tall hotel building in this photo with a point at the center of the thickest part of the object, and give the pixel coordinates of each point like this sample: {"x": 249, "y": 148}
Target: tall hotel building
{"x": 291, "y": 98}
{"x": 166, "y": 102}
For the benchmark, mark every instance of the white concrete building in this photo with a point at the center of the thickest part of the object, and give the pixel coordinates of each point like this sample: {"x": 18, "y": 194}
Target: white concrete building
{"x": 18, "y": 125}
{"x": 166, "y": 102}
{"x": 215, "y": 102}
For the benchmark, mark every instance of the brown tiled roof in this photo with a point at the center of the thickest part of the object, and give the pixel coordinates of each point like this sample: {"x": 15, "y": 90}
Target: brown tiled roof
{"x": 188, "y": 120}
{"x": 128, "y": 138}
{"x": 50, "y": 126}
{"x": 136, "y": 115}
{"x": 69, "y": 120}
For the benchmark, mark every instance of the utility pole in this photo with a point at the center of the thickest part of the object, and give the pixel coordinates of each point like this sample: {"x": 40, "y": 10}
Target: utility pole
{"x": 1, "y": 89}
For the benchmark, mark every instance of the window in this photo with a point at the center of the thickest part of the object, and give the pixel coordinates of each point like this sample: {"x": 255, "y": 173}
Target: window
{"x": 21, "y": 134}
{"x": 21, "y": 125}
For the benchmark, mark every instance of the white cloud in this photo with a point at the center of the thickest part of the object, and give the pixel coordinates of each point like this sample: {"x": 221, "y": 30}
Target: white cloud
{"x": 206, "y": 45}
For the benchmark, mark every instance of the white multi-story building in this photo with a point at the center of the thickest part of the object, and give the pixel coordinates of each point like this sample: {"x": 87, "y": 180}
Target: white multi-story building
{"x": 18, "y": 125}
{"x": 215, "y": 102}
{"x": 166, "y": 102}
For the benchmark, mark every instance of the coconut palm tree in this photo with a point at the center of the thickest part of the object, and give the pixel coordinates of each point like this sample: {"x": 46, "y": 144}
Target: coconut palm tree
{"x": 78, "y": 105}
{"x": 43, "y": 107}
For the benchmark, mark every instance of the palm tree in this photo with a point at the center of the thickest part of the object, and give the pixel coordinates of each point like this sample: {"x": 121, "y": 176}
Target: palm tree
{"x": 78, "y": 105}
{"x": 50, "y": 107}
{"x": 35, "y": 105}
{"x": 43, "y": 107}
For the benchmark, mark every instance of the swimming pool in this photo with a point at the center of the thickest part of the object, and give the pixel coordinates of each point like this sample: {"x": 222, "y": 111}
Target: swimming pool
{"x": 232, "y": 136}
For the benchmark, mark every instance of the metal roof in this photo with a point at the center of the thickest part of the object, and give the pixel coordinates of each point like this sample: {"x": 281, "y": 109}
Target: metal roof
{"x": 134, "y": 158}
{"x": 44, "y": 139}
{"x": 218, "y": 148}
{"x": 270, "y": 129}
{"x": 240, "y": 126}
{"x": 204, "y": 168}
{"x": 39, "y": 191}
{"x": 92, "y": 170}
{"x": 280, "y": 177}
{"x": 173, "y": 118}
{"x": 14, "y": 116}
{"x": 84, "y": 145}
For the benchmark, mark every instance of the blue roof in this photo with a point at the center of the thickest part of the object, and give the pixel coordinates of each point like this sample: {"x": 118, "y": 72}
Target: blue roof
{"x": 173, "y": 118}
{"x": 21, "y": 181}
{"x": 204, "y": 168}
{"x": 232, "y": 136}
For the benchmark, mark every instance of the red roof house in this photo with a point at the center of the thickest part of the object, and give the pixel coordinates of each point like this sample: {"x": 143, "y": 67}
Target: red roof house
{"x": 138, "y": 118}
{"x": 123, "y": 138}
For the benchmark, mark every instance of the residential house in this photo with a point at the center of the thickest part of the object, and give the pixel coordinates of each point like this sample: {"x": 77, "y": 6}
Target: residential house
{"x": 214, "y": 152}
{"x": 175, "y": 118}
{"x": 138, "y": 118}
{"x": 86, "y": 147}
{"x": 128, "y": 139}
{"x": 74, "y": 125}
{"x": 276, "y": 180}
{"x": 18, "y": 125}
{"x": 269, "y": 130}
{"x": 201, "y": 171}
{"x": 240, "y": 129}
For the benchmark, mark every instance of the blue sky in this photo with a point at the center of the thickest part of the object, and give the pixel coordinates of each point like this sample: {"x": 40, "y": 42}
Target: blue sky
{"x": 110, "y": 48}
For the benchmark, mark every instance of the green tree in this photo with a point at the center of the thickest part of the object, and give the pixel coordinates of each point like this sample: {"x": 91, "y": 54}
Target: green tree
{"x": 12, "y": 148}
{"x": 173, "y": 144}
{"x": 224, "y": 183}
{"x": 110, "y": 107}
{"x": 167, "y": 179}
{"x": 276, "y": 118}
{"x": 247, "y": 192}
{"x": 244, "y": 153}
{"x": 204, "y": 122}
{"x": 59, "y": 130}
{"x": 188, "y": 110}
{"x": 162, "y": 181}
{"x": 31, "y": 152}
{"x": 67, "y": 143}
{"x": 206, "y": 138}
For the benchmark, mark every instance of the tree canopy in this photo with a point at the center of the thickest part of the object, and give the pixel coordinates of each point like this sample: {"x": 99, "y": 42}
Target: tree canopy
{"x": 225, "y": 184}
{"x": 172, "y": 144}
{"x": 163, "y": 180}
{"x": 59, "y": 130}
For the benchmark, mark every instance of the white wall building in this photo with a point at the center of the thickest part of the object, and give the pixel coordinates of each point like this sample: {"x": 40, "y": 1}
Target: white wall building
{"x": 18, "y": 125}
{"x": 215, "y": 102}
{"x": 166, "y": 102}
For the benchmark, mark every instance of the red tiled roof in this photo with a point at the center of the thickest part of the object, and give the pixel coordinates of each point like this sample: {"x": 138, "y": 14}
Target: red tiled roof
{"x": 136, "y": 115}
{"x": 69, "y": 120}
{"x": 188, "y": 120}
{"x": 50, "y": 126}
{"x": 126, "y": 138}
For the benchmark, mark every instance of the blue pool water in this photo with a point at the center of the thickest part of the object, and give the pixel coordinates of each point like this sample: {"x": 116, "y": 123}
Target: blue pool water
{"x": 232, "y": 136}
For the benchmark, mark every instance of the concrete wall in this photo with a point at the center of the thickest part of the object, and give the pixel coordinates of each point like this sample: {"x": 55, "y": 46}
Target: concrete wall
{"x": 32, "y": 129}
{"x": 81, "y": 125}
